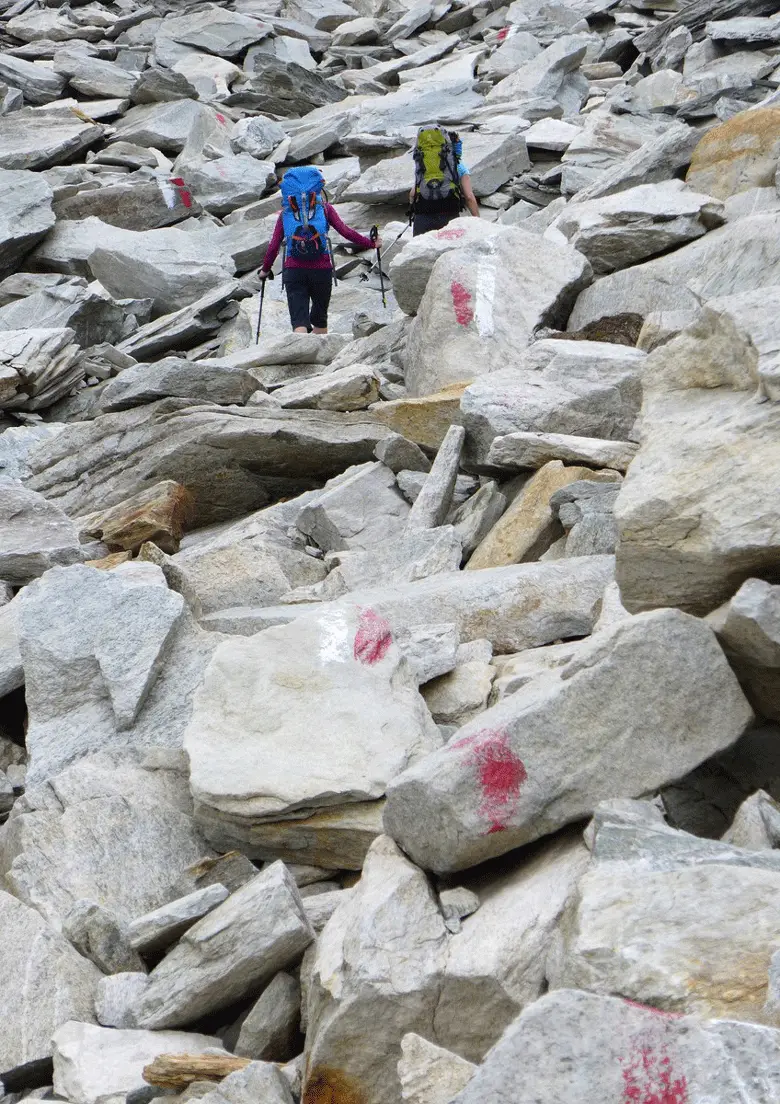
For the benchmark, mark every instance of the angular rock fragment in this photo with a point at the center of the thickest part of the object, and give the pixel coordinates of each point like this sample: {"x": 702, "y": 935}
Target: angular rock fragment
{"x": 740, "y": 154}
{"x": 32, "y": 139}
{"x": 430, "y": 1074}
{"x": 493, "y": 786}
{"x": 271, "y": 1031}
{"x": 99, "y": 936}
{"x": 46, "y": 983}
{"x": 525, "y": 450}
{"x": 34, "y": 535}
{"x": 177, "y": 378}
{"x": 360, "y": 509}
{"x": 159, "y": 514}
{"x": 244, "y": 942}
{"x": 37, "y": 367}
{"x": 433, "y": 503}
{"x": 157, "y": 930}
{"x": 26, "y": 216}
{"x": 750, "y": 635}
{"x": 295, "y": 755}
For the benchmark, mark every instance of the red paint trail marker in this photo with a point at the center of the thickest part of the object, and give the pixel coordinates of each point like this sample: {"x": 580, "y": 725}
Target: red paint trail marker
{"x": 500, "y": 774}
{"x": 184, "y": 194}
{"x": 648, "y": 1078}
{"x": 502, "y": 34}
{"x": 461, "y": 302}
{"x": 451, "y": 234}
{"x": 372, "y": 639}
{"x": 220, "y": 118}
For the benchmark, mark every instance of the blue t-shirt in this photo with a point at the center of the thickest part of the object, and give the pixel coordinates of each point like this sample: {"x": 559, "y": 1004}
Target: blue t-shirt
{"x": 463, "y": 169}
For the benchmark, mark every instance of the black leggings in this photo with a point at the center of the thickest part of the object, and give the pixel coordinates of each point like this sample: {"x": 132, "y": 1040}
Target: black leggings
{"x": 423, "y": 224}
{"x": 308, "y": 296}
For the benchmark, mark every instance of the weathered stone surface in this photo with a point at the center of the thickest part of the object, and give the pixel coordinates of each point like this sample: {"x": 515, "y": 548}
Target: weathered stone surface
{"x": 95, "y": 1065}
{"x": 586, "y": 510}
{"x": 37, "y": 367}
{"x": 693, "y": 526}
{"x": 177, "y": 378}
{"x": 116, "y": 996}
{"x": 91, "y": 76}
{"x": 529, "y": 526}
{"x": 473, "y": 520}
{"x": 271, "y": 1031}
{"x": 433, "y": 503}
{"x": 461, "y": 817}
{"x": 34, "y": 535}
{"x": 244, "y": 771}
{"x": 257, "y": 1081}
{"x": 159, "y": 514}
{"x": 26, "y": 216}
{"x": 244, "y": 458}
{"x": 485, "y": 301}
{"x": 157, "y": 930}
{"x": 164, "y": 126}
{"x": 30, "y": 139}
{"x": 428, "y": 1073}
{"x": 571, "y": 1043}
{"x": 352, "y": 984}
{"x": 533, "y": 450}
{"x": 351, "y": 388}
{"x": 578, "y": 388}
{"x": 750, "y": 635}
{"x": 424, "y": 420}
{"x": 756, "y": 826}
{"x": 214, "y": 30}
{"x": 546, "y": 75}
{"x": 360, "y": 509}
{"x": 244, "y": 942}
{"x": 619, "y": 230}
{"x": 100, "y": 937}
{"x": 740, "y": 154}
{"x": 46, "y": 983}
{"x": 105, "y": 830}
{"x": 457, "y": 697}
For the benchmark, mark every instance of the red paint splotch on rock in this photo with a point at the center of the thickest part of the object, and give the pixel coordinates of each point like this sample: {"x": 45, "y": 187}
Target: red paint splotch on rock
{"x": 451, "y": 233}
{"x": 500, "y": 774}
{"x": 221, "y": 118}
{"x": 461, "y": 302}
{"x": 649, "y": 1078}
{"x": 372, "y": 639}
{"x": 502, "y": 34}
{"x": 184, "y": 193}
{"x": 651, "y": 1008}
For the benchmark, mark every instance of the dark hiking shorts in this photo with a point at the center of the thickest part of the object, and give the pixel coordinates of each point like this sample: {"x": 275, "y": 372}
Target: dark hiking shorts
{"x": 308, "y": 296}
{"x": 423, "y": 224}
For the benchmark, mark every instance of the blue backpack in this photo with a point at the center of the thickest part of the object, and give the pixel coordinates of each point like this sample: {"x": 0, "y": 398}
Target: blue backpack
{"x": 303, "y": 214}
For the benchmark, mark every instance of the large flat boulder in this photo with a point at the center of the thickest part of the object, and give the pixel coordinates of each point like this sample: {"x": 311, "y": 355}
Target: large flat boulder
{"x": 693, "y": 516}
{"x": 526, "y": 767}
{"x": 33, "y": 139}
{"x": 341, "y": 716}
{"x": 484, "y": 303}
{"x": 25, "y": 215}
{"x": 34, "y": 535}
{"x": 232, "y": 460}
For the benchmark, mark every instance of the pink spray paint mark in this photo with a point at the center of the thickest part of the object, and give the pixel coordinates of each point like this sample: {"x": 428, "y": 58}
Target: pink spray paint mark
{"x": 650, "y": 1008}
{"x": 184, "y": 194}
{"x": 372, "y": 639}
{"x": 220, "y": 118}
{"x": 461, "y": 302}
{"x": 648, "y": 1078}
{"x": 451, "y": 234}
{"x": 500, "y": 774}
{"x": 502, "y": 34}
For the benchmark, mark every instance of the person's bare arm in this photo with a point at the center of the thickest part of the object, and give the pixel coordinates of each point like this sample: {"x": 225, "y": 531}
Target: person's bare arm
{"x": 468, "y": 195}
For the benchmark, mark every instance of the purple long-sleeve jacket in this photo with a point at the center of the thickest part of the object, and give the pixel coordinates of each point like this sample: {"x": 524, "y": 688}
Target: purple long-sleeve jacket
{"x": 320, "y": 262}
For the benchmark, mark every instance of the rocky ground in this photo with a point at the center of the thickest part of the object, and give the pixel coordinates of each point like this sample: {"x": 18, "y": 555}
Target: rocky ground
{"x": 392, "y": 715}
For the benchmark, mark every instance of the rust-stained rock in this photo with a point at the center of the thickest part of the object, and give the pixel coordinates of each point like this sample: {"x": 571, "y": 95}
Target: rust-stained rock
{"x": 159, "y": 514}
{"x": 326, "y": 1085}
{"x": 424, "y": 420}
{"x": 739, "y": 154}
{"x": 106, "y": 563}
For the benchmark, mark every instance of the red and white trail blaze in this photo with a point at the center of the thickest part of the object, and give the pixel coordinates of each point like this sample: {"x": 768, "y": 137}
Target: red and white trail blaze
{"x": 500, "y": 775}
{"x": 372, "y": 639}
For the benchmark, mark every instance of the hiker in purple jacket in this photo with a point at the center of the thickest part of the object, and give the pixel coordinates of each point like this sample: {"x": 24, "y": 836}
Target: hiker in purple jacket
{"x": 303, "y": 225}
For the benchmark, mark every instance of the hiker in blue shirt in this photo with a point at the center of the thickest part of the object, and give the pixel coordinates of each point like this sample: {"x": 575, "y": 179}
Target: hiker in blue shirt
{"x": 442, "y": 182}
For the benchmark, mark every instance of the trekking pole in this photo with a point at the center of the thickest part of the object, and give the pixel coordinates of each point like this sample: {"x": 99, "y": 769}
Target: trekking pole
{"x": 391, "y": 247}
{"x": 260, "y": 311}
{"x": 374, "y": 235}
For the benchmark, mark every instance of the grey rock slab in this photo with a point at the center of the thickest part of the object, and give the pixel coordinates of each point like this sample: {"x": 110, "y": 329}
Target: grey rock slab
{"x": 698, "y": 537}
{"x": 115, "y": 667}
{"x": 271, "y": 1031}
{"x": 260, "y": 455}
{"x": 258, "y": 1081}
{"x": 545, "y": 74}
{"x": 38, "y": 84}
{"x": 214, "y": 30}
{"x": 26, "y": 216}
{"x": 91, "y": 76}
{"x": 326, "y": 16}
{"x": 228, "y": 182}
{"x": 116, "y": 996}
{"x": 429, "y": 1074}
{"x": 134, "y": 205}
{"x": 517, "y": 48}
{"x": 743, "y": 29}
{"x": 353, "y": 981}
{"x": 191, "y": 325}
{"x": 622, "y": 229}
{"x": 353, "y": 387}
{"x": 257, "y": 136}
{"x": 260, "y": 930}
{"x": 97, "y": 1065}
{"x": 98, "y": 935}
{"x": 571, "y": 1043}
{"x": 93, "y": 317}
{"x": 484, "y": 302}
{"x": 37, "y": 367}
{"x": 496, "y": 962}
{"x": 157, "y": 930}
{"x": 231, "y": 870}
{"x": 400, "y": 454}
{"x": 435, "y": 498}
{"x": 461, "y": 818}
{"x": 35, "y": 139}
{"x": 104, "y": 830}
{"x": 457, "y": 697}
{"x": 34, "y": 535}
{"x": 575, "y": 388}
{"x": 529, "y": 450}
{"x": 162, "y": 126}
{"x": 355, "y": 512}
{"x": 430, "y": 651}
{"x": 614, "y": 938}
{"x": 17, "y": 442}
{"x": 297, "y": 755}
{"x": 47, "y": 983}
{"x": 756, "y": 826}
{"x": 750, "y": 636}
{"x": 179, "y": 378}
{"x": 473, "y": 520}
{"x": 586, "y": 511}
